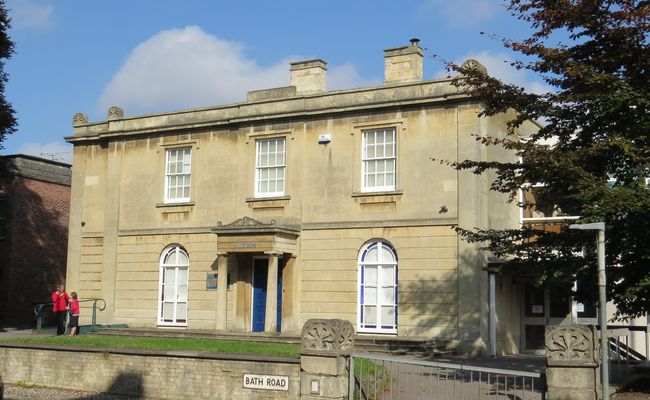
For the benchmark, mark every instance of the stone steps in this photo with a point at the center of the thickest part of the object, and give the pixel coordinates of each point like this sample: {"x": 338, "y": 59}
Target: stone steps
{"x": 423, "y": 347}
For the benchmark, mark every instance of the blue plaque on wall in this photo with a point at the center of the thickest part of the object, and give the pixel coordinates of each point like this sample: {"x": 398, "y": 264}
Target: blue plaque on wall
{"x": 211, "y": 281}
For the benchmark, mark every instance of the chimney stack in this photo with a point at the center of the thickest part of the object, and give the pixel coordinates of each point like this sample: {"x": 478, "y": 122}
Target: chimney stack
{"x": 403, "y": 64}
{"x": 308, "y": 76}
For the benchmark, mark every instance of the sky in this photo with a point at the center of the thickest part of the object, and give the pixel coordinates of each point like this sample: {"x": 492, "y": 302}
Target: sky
{"x": 151, "y": 56}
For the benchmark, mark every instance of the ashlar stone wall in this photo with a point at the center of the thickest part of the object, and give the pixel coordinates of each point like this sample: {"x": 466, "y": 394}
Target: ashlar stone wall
{"x": 161, "y": 375}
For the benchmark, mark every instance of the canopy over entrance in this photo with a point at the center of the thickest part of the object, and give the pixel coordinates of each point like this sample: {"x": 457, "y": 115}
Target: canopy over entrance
{"x": 247, "y": 235}
{"x": 263, "y": 245}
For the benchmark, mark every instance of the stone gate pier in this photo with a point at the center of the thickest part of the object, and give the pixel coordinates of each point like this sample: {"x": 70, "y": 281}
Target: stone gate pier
{"x": 572, "y": 363}
{"x": 325, "y": 347}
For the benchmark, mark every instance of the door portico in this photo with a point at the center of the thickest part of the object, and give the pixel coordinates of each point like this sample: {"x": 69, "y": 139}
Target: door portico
{"x": 238, "y": 244}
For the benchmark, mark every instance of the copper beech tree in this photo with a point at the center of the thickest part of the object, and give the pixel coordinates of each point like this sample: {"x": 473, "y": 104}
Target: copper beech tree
{"x": 592, "y": 154}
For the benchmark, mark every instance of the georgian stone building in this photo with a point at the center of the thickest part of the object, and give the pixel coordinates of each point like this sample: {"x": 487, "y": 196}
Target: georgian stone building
{"x": 296, "y": 203}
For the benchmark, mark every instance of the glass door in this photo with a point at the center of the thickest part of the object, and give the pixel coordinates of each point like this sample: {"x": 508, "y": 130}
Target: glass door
{"x": 544, "y": 306}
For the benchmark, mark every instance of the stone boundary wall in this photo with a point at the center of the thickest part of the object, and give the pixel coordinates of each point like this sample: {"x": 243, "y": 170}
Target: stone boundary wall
{"x": 157, "y": 374}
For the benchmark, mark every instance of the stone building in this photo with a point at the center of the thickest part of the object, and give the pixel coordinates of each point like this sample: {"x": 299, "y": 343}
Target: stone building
{"x": 296, "y": 203}
{"x": 34, "y": 213}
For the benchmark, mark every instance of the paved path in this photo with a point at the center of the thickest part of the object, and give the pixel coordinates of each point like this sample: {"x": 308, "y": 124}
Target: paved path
{"x": 14, "y": 332}
{"x": 401, "y": 380}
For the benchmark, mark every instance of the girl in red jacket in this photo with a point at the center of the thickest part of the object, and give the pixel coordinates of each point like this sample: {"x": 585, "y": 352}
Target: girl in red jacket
{"x": 74, "y": 315}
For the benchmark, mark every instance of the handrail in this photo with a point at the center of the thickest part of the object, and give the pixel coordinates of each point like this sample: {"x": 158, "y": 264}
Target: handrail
{"x": 38, "y": 311}
{"x": 93, "y": 323}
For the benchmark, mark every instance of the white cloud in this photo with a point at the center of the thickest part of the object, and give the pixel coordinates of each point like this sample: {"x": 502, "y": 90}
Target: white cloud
{"x": 460, "y": 12}
{"x": 498, "y": 65}
{"x": 187, "y": 68}
{"x": 346, "y": 76}
{"x": 27, "y": 14}
{"x": 57, "y": 151}
{"x": 184, "y": 68}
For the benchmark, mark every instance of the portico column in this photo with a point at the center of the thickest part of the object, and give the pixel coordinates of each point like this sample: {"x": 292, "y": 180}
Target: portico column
{"x": 222, "y": 290}
{"x": 271, "y": 320}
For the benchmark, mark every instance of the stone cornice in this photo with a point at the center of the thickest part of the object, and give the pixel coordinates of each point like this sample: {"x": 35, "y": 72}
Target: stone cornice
{"x": 332, "y": 102}
{"x": 292, "y": 229}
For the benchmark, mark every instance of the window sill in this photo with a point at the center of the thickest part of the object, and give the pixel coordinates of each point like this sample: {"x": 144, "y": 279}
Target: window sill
{"x": 171, "y": 205}
{"x": 271, "y": 198}
{"x": 383, "y": 193}
{"x": 277, "y": 202}
{"x": 371, "y": 331}
{"x": 377, "y": 197}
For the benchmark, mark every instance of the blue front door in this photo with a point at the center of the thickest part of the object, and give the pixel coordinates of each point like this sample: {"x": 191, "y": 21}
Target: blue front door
{"x": 260, "y": 274}
{"x": 260, "y": 267}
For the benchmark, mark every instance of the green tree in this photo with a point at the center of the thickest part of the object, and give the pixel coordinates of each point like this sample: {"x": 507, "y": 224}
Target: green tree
{"x": 7, "y": 118}
{"x": 594, "y": 55}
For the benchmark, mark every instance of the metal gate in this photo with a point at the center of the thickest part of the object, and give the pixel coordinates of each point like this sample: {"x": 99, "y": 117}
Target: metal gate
{"x": 386, "y": 378}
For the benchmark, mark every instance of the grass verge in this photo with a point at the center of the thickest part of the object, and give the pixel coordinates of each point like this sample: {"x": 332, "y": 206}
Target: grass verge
{"x": 167, "y": 344}
{"x": 372, "y": 378}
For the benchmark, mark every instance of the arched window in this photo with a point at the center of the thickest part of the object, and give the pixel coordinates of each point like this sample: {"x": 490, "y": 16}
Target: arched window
{"x": 377, "y": 310}
{"x": 173, "y": 287}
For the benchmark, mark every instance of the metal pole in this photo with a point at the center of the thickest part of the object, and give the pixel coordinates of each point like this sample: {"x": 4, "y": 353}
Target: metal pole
{"x": 647, "y": 342}
{"x": 493, "y": 314}
{"x": 93, "y": 321}
{"x": 351, "y": 378}
{"x": 602, "y": 317}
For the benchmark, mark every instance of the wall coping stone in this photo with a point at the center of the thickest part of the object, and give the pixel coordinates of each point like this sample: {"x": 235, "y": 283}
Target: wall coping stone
{"x": 159, "y": 353}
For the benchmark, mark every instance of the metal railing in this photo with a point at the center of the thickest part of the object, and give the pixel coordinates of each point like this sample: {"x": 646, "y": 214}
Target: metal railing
{"x": 385, "y": 377}
{"x": 623, "y": 350}
{"x": 38, "y": 312}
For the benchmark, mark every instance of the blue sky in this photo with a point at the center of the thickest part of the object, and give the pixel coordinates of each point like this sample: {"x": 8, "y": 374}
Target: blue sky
{"x": 153, "y": 56}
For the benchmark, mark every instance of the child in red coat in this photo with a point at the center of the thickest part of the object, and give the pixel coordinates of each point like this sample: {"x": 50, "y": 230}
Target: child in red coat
{"x": 74, "y": 315}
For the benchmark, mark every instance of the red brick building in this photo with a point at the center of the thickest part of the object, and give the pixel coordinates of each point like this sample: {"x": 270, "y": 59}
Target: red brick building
{"x": 34, "y": 214}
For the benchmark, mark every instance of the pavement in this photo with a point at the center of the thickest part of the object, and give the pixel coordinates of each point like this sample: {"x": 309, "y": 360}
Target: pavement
{"x": 22, "y": 392}
{"x": 15, "y": 332}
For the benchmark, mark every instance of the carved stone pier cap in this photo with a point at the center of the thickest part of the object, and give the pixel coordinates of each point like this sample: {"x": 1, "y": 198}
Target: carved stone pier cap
{"x": 473, "y": 64}
{"x": 327, "y": 337}
{"x": 115, "y": 112}
{"x": 571, "y": 346}
{"x": 79, "y": 119}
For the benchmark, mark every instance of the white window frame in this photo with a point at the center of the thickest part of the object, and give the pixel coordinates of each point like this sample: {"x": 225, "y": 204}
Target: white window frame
{"x": 176, "y": 267}
{"x": 379, "y": 326}
{"x": 280, "y": 165}
{"x": 365, "y": 160}
{"x": 524, "y": 220}
{"x": 186, "y": 162}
